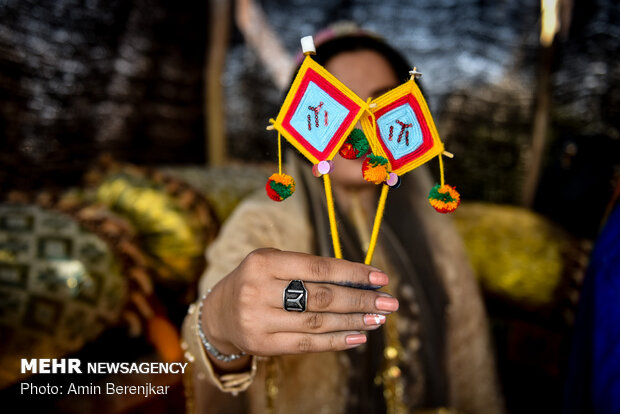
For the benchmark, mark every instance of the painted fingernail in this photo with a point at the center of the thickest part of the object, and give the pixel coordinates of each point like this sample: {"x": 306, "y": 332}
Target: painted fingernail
{"x": 386, "y": 303}
{"x": 355, "y": 339}
{"x": 374, "y": 319}
{"x": 378, "y": 278}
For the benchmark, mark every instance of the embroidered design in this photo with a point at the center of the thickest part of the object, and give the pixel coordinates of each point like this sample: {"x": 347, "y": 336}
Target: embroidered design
{"x": 316, "y": 110}
{"x": 401, "y": 111}
{"x": 328, "y": 100}
{"x": 403, "y": 127}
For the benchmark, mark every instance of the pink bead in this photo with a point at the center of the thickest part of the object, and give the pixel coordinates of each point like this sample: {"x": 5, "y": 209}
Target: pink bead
{"x": 331, "y": 166}
{"x": 324, "y": 167}
{"x": 392, "y": 179}
{"x": 315, "y": 170}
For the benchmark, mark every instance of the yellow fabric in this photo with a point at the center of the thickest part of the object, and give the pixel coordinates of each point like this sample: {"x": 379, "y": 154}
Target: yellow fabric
{"x": 279, "y": 153}
{"x": 518, "y": 255}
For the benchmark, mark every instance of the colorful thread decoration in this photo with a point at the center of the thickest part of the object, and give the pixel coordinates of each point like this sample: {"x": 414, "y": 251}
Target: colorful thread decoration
{"x": 402, "y": 136}
{"x": 375, "y": 169}
{"x": 400, "y": 128}
{"x": 280, "y": 186}
{"x": 444, "y": 198}
{"x": 318, "y": 118}
{"x": 319, "y": 113}
{"x": 355, "y": 146}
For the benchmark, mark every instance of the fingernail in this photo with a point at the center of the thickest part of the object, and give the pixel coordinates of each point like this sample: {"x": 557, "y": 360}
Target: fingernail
{"x": 374, "y": 319}
{"x": 386, "y": 303}
{"x": 378, "y": 278}
{"x": 355, "y": 339}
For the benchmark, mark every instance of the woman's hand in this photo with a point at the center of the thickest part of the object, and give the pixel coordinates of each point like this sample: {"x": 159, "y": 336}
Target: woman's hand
{"x": 244, "y": 310}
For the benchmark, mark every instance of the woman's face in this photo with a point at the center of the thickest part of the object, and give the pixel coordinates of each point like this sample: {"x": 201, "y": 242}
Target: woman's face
{"x": 368, "y": 74}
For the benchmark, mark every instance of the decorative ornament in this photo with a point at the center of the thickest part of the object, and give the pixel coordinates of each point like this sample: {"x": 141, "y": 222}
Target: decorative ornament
{"x": 401, "y": 131}
{"x": 400, "y": 128}
{"x": 444, "y": 199}
{"x": 319, "y": 111}
{"x": 280, "y": 186}
{"x": 324, "y": 167}
{"x": 318, "y": 118}
{"x": 318, "y": 114}
{"x": 393, "y": 180}
{"x": 355, "y": 146}
{"x": 375, "y": 169}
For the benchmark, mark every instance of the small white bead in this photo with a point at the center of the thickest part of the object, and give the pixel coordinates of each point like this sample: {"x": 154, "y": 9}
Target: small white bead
{"x": 307, "y": 45}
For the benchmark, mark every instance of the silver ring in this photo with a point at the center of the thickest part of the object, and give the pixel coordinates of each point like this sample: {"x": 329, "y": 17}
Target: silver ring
{"x": 295, "y": 297}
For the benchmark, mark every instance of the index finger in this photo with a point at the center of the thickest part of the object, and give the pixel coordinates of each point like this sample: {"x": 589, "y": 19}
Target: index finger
{"x": 293, "y": 265}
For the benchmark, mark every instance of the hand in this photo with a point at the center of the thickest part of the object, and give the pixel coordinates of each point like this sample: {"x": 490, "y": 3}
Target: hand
{"x": 244, "y": 310}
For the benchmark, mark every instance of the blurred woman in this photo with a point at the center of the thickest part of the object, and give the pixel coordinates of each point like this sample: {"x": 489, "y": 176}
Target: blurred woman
{"x": 420, "y": 342}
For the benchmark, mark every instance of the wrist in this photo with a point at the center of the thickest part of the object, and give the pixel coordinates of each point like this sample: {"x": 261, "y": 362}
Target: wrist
{"x": 231, "y": 377}
{"x": 218, "y": 350}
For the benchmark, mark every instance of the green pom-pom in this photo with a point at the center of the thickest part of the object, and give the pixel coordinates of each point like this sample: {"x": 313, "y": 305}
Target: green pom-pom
{"x": 284, "y": 191}
{"x": 376, "y": 160}
{"x": 358, "y": 141}
{"x": 280, "y": 187}
{"x": 355, "y": 146}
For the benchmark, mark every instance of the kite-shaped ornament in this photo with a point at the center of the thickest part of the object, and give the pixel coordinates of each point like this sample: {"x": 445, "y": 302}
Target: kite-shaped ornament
{"x": 402, "y": 136}
{"x": 319, "y": 112}
{"x": 400, "y": 129}
{"x": 317, "y": 116}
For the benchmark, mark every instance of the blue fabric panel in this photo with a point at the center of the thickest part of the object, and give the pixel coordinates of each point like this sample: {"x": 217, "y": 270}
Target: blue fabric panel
{"x": 319, "y": 137}
{"x": 403, "y": 113}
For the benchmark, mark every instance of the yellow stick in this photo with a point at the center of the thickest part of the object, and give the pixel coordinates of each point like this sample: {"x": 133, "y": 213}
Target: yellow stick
{"x": 377, "y": 225}
{"x": 279, "y": 153}
{"x": 441, "y": 170}
{"x": 332, "y": 216}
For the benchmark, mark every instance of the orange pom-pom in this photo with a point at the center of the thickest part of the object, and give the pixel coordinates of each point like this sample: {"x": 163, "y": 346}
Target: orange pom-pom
{"x": 444, "y": 199}
{"x": 375, "y": 169}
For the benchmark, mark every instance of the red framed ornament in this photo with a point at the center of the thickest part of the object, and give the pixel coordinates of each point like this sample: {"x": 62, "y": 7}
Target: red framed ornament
{"x": 400, "y": 128}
